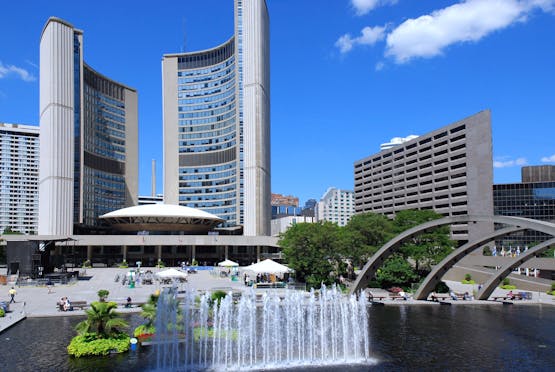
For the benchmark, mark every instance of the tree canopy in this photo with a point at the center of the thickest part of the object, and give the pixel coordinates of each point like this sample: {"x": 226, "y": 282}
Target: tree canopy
{"x": 321, "y": 252}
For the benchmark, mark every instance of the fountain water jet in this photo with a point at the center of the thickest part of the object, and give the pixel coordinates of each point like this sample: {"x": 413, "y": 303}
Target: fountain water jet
{"x": 283, "y": 330}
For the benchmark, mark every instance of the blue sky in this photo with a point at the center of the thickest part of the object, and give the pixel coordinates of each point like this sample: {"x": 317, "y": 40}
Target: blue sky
{"x": 346, "y": 75}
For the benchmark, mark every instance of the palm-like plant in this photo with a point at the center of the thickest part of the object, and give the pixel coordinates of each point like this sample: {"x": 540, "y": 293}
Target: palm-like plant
{"x": 102, "y": 319}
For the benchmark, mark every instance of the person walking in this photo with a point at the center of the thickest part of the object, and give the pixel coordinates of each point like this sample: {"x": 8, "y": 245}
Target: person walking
{"x": 12, "y": 293}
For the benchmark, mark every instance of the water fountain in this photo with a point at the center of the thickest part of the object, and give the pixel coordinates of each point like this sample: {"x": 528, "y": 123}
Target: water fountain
{"x": 280, "y": 330}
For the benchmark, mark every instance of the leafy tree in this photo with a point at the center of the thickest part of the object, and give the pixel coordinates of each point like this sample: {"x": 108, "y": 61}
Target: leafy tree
{"x": 396, "y": 271}
{"x": 8, "y": 231}
{"x": 364, "y": 235}
{"x": 425, "y": 249}
{"x": 313, "y": 251}
{"x": 103, "y": 320}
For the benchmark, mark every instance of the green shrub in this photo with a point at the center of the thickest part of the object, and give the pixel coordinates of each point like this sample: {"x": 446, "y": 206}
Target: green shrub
{"x": 160, "y": 264}
{"x": 87, "y": 264}
{"x": 468, "y": 281}
{"x": 194, "y": 262}
{"x": 144, "y": 329}
{"x": 217, "y": 296}
{"x": 88, "y": 345}
{"x": 103, "y": 294}
{"x": 441, "y": 287}
{"x": 552, "y": 287}
{"x": 2, "y": 313}
{"x": 123, "y": 265}
{"x": 508, "y": 286}
{"x": 506, "y": 281}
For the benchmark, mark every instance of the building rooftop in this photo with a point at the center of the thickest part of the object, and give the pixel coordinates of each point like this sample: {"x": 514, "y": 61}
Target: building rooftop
{"x": 161, "y": 217}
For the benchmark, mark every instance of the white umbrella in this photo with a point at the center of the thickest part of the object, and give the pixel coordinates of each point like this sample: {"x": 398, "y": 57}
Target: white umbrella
{"x": 227, "y": 263}
{"x": 268, "y": 266}
{"x": 171, "y": 274}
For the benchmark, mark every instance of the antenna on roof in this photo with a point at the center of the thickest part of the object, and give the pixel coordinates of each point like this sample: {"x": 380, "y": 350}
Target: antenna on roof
{"x": 183, "y": 46}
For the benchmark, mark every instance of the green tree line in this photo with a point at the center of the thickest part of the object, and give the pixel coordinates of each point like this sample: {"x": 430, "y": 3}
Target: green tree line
{"x": 323, "y": 252}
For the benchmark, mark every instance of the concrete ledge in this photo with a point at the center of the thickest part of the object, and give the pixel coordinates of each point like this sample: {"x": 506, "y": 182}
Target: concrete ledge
{"x": 14, "y": 316}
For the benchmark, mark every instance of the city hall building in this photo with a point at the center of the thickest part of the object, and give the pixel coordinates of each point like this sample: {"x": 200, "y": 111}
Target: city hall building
{"x": 88, "y": 137}
{"x": 216, "y": 105}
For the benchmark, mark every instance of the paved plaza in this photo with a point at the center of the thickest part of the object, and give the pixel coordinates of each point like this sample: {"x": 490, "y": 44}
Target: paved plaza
{"x": 40, "y": 301}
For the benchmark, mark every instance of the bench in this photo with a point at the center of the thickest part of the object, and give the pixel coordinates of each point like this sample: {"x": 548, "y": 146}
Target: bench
{"x": 497, "y": 298}
{"x": 394, "y": 297}
{"x": 270, "y": 285}
{"x": 75, "y": 305}
{"x": 440, "y": 297}
{"x": 373, "y": 297}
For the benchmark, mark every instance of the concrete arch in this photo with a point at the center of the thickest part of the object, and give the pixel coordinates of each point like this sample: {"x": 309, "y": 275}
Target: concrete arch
{"x": 508, "y": 268}
{"x": 377, "y": 260}
{"x": 434, "y": 277}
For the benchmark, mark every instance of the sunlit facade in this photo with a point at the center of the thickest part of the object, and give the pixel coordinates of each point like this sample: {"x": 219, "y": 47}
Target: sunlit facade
{"x": 89, "y": 137}
{"x": 19, "y": 176}
{"x": 217, "y": 126}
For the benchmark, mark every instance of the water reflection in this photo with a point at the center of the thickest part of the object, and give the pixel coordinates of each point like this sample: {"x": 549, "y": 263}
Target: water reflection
{"x": 461, "y": 337}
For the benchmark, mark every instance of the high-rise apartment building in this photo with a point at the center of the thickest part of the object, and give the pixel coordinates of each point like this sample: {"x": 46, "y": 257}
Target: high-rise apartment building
{"x": 19, "y": 178}
{"x": 336, "y": 206}
{"x": 89, "y": 137}
{"x": 217, "y": 124}
{"x": 449, "y": 170}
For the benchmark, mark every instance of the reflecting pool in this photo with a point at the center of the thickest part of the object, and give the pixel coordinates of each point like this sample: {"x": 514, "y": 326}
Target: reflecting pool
{"x": 403, "y": 337}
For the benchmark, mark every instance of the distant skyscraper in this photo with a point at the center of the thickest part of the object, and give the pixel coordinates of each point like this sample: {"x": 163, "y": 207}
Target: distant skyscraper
{"x": 336, "y": 206}
{"x": 19, "y": 177}
{"x": 89, "y": 137}
{"x": 217, "y": 124}
{"x": 309, "y": 209}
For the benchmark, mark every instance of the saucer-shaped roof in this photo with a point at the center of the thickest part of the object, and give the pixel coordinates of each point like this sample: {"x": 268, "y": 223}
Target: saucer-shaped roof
{"x": 161, "y": 217}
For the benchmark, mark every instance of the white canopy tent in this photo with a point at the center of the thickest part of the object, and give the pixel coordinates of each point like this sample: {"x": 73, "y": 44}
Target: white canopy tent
{"x": 228, "y": 263}
{"x": 268, "y": 266}
{"x": 171, "y": 274}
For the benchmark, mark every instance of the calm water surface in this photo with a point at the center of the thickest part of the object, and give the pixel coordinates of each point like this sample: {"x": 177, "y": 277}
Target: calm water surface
{"x": 456, "y": 338}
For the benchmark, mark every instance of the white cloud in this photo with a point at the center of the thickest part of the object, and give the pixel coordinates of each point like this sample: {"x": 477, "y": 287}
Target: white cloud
{"x": 549, "y": 159}
{"x": 468, "y": 21}
{"x": 368, "y": 36}
{"x": 379, "y": 66}
{"x": 32, "y": 64}
{"x": 11, "y": 69}
{"x": 363, "y": 7}
{"x": 509, "y": 163}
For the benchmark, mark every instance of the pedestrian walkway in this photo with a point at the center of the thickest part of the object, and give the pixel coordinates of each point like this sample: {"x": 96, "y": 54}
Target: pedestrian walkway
{"x": 13, "y": 316}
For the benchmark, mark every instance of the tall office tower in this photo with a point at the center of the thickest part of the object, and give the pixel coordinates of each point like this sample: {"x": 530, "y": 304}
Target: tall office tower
{"x": 217, "y": 124}
{"x": 19, "y": 178}
{"x": 336, "y": 206}
{"x": 449, "y": 170}
{"x": 89, "y": 137}
{"x": 533, "y": 197}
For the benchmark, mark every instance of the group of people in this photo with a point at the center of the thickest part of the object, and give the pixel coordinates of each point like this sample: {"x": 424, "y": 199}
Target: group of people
{"x": 64, "y": 304}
